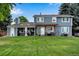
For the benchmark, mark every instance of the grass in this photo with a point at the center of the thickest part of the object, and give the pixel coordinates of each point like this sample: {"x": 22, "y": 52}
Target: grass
{"x": 39, "y": 46}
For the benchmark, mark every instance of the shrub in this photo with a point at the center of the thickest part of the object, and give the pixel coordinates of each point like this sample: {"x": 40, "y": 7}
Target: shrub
{"x": 64, "y": 34}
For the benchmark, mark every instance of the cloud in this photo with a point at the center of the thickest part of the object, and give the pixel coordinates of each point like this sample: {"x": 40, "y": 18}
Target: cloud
{"x": 16, "y": 11}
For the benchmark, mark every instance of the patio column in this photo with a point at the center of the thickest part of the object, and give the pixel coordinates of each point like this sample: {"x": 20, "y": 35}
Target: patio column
{"x": 16, "y": 30}
{"x": 12, "y": 31}
{"x": 34, "y": 31}
{"x": 25, "y": 31}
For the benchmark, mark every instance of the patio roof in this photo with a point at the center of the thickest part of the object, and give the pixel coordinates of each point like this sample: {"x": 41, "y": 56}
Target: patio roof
{"x": 31, "y": 24}
{"x": 45, "y": 24}
{"x": 23, "y": 24}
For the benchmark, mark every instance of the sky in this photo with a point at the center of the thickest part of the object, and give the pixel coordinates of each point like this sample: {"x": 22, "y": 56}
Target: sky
{"x": 30, "y": 9}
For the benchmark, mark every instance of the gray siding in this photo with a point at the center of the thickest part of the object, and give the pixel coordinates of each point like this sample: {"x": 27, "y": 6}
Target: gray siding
{"x": 60, "y": 23}
{"x": 58, "y": 30}
{"x": 63, "y": 24}
{"x": 48, "y": 20}
{"x": 12, "y": 31}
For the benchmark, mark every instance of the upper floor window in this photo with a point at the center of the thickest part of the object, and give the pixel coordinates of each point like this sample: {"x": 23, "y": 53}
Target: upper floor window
{"x": 40, "y": 19}
{"x": 65, "y": 19}
{"x": 37, "y": 19}
{"x": 53, "y": 19}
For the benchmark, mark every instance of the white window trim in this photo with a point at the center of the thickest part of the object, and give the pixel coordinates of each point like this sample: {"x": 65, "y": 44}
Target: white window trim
{"x": 65, "y": 29}
{"x": 40, "y": 19}
{"x": 54, "y": 18}
{"x": 37, "y": 19}
{"x": 66, "y": 19}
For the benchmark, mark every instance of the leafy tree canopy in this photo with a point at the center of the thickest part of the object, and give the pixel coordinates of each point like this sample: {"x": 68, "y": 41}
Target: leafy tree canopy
{"x": 71, "y": 9}
{"x": 5, "y": 10}
{"x": 5, "y": 14}
{"x": 23, "y": 19}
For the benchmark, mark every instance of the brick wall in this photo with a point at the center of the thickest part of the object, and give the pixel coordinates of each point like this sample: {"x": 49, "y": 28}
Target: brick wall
{"x": 3, "y": 33}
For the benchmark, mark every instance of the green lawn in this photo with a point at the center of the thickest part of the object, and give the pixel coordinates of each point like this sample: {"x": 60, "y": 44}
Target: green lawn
{"x": 39, "y": 46}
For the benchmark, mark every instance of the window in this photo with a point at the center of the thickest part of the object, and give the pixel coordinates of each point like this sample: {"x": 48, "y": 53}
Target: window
{"x": 48, "y": 29}
{"x": 37, "y": 19}
{"x": 40, "y": 19}
{"x": 53, "y": 19}
{"x": 65, "y": 19}
{"x": 64, "y": 29}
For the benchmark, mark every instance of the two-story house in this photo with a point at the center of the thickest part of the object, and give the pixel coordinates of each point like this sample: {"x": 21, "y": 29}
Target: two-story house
{"x": 43, "y": 25}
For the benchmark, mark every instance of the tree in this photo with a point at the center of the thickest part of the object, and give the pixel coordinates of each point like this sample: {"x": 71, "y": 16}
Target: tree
{"x": 71, "y": 9}
{"x": 5, "y": 10}
{"x": 5, "y": 14}
{"x": 23, "y": 19}
{"x": 64, "y": 8}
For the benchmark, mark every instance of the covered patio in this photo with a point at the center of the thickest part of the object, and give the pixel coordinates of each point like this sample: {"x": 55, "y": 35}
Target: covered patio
{"x": 22, "y": 29}
{"x": 46, "y": 29}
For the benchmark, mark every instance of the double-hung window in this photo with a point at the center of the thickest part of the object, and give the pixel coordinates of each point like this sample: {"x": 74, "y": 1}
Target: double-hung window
{"x": 65, "y": 29}
{"x": 40, "y": 19}
{"x": 65, "y": 19}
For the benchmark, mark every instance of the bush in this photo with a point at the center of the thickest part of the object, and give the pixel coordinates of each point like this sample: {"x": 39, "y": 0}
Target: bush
{"x": 50, "y": 34}
{"x": 76, "y": 34}
{"x": 64, "y": 34}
